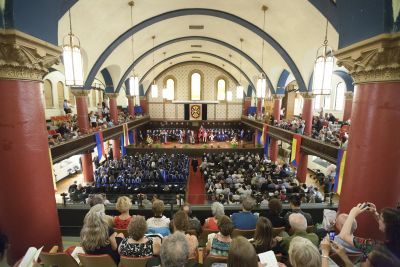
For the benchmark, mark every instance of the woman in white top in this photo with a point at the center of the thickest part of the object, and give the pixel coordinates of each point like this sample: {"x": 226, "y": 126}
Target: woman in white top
{"x": 158, "y": 224}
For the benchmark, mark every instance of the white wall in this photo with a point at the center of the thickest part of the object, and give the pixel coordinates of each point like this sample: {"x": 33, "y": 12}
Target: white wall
{"x": 180, "y": 73}
{"x": 57, "y": 109}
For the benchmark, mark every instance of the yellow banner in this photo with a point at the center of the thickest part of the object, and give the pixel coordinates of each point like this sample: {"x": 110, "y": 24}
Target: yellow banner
{"x": 294, "y": 146}
{"x": 341, "y": 173}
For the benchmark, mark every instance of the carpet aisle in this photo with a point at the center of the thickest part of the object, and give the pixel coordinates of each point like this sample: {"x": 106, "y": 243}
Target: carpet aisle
{"x": 195, "y": 187}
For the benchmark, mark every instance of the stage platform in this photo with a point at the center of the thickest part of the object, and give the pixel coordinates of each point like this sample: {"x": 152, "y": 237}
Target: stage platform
{"x": 194, "y": 150}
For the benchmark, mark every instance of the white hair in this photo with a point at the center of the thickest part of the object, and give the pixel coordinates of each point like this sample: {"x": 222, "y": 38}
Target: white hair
{"x": 298, "y": 222}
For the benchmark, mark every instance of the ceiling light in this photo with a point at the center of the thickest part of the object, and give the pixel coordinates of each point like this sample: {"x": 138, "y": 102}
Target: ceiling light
{"x": 72, "y": 58}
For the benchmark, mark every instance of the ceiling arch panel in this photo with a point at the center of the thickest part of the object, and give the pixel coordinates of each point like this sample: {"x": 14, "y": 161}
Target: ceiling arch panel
{"x": 202, "y": 56}
{"x": 286, "y": 20}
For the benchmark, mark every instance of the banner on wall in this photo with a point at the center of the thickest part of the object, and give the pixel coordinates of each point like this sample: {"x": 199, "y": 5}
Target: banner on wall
{"x": 340, "y": 164}
{"x": 195, "y": 112}
{"x": 295, "y": 155}
{"x": 265, "y": 139}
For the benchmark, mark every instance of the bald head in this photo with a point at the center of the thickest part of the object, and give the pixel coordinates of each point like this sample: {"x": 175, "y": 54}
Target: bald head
{"x": 341, "y": 219}
{"x": 298, "y": 222}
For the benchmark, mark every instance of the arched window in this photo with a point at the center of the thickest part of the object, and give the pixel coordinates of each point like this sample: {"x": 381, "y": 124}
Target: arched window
{"x": 171, "y": 89}
{"x": 323, "y": 101}
{"x": 60, "y": 92}
{"x": 221, "y": 89}
{"x": 339, "y": 101}
{"x": 195, "y": 86}
{"x": 48, "y": 94}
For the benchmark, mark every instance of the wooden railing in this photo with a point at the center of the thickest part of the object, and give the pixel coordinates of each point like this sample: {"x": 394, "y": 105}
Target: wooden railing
{"x": 88, "y": 142}
{"x": 309, "y": 145}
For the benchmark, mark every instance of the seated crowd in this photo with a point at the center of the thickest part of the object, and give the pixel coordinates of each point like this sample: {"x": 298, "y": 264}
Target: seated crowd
{"x": 231, "y": 176}
{"x": 138, "y": 174}
{"x": 171, "y": 242}
{"x": 64, "y": 130}
{"x": 326, "y": 129}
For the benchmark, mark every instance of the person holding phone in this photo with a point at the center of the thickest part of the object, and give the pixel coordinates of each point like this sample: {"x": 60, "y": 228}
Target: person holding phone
{"x": 389, "y": 224}
{"x": 327, "y": 244}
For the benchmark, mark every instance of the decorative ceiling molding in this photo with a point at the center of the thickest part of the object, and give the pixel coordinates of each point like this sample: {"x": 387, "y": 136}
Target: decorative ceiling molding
{"x": 197, "y": 11}
{"x": 190, "y": 38}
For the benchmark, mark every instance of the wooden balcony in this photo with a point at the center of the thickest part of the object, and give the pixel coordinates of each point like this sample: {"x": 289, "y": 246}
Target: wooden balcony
{"x": 309, "y": 145}
{"x": 88, "y": 142}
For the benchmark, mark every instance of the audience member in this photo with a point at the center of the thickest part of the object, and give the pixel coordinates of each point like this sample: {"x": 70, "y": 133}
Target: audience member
{"x": 218, "y": 244}
{"x": 123, "y": 205}
{"x": 263, "y": 239}
{"x": 181, "y": 224}
{"x": 295, "y": 202}
{"x": 389, "y": 224}
{"x": 298, "y": 224}
{"x": 245, "y": 220}
{"x": 340, "y": 220}
{"x": 194, "y": 223}
{"x": 217, "y": 210}
{"x": 174, "y": 250}
{"x": 274, "y": 213}
{"x": 303, "y": 252}
{"x": 159, "y": 223}
{"x": 137, "y": 244}
{"x": 242, "y": 253}
{"x": 381, "y": 256}
{"x": 98, "y": 238}
{"x": 326, "y": 246}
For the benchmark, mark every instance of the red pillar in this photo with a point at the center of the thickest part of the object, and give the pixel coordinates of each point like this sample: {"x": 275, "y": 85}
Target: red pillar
{"x": 114, "y": 116}
{"x": 348, "y": 103}
{"x": 143, "y": 104}
{"x": 131, "y": 105}
{"x": 372, "y": 170}
{"x": 84, "y": 126}
{"x": 259, "y": 106}
{"x": 28, "y": 209}
{"x": 246, "y": 105}
{"x": 276, "y": 114}
{"x": 307, "y": 115}
{"x": 372, "y": 166}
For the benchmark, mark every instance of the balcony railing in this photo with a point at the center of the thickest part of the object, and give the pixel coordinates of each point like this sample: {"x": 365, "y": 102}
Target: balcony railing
{"x": 88, "y": 141}
{"x": 308, "y": 145}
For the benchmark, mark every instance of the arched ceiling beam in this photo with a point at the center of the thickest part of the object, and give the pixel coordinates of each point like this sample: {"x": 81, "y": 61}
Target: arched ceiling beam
{"x": 188, "y": 38}
{"x": 346, "y": 78}
{"x": 202, "y": 53}
{"x": 280, "y": 87}
{"x": 197, "y": 11}
{"x": 192, "y": 61}
{"x": 108, "y": 80}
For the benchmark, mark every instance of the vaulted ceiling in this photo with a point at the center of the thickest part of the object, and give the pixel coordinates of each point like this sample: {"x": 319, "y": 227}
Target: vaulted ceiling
{"x": 294, "y": 31}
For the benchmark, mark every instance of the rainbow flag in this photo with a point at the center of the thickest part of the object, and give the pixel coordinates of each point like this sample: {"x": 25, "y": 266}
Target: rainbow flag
{"x": 295, "y": 155}
{"x": 126, "y": 134}
{"x": 340, "y": 163}
{"x": 100, "y": 145}
{"x": 265, "y": 139}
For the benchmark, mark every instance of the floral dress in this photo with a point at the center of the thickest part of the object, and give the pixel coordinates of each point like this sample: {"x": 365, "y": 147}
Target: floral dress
{"x": 136, "y": 249}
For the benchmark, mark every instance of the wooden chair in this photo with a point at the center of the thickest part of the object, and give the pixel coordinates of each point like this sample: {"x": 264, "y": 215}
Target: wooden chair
{"x": 353, "y": 257}
{"x": 121, "y": 231}
{"x": 103, "y": 260}
{"x": 54, "y": 258}
{"x": 204, "y": 235}
{"x": 133, "y": 261}
{"x": 245, "y": 233}
{"x": 191, "y": 262}
{"x": 277, "y": 231}
{"x": 214, "y": 259}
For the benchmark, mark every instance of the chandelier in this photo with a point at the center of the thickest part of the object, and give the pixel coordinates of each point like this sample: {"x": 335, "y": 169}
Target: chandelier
{"x": 133, "y": 79}
{"x": 154, "y": 87}
{"x": 239, "y": 88}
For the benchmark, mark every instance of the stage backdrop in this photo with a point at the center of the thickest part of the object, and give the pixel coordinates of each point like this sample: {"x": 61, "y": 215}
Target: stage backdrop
{"x": 159, "y": 109}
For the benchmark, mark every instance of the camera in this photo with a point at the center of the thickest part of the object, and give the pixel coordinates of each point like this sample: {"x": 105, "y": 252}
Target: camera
{"x": 366, "y": 204}
{"x": 332, "y": 235}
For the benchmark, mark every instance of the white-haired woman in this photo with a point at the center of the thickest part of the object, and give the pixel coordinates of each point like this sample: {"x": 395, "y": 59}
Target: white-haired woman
{"x": 97, "y": 237}
{"x": 302, "y": 252}
{"x": 217, "y": 210}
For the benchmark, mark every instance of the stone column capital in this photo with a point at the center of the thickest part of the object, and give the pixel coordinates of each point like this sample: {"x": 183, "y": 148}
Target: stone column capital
{"x": 24, "y": 57}
{"x": 112, "y": 95}
{"x": 348, "y": 95}
{"x": 373, "y": 60}
{"x": 130, "y": 97}
{"x": 80, "y": 92}
{"x": 307, "y": 95}
{"x": 277, "y": 96}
